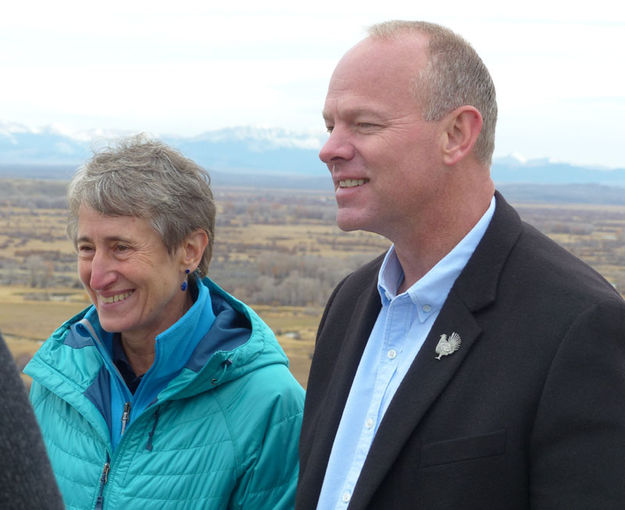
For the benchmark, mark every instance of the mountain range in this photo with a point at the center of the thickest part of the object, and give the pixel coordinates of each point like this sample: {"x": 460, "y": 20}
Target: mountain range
{"x": 236, "y": 154}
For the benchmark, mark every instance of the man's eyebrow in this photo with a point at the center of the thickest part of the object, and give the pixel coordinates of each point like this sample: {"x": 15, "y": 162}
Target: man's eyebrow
{"x": 87, "y": 239}
{"x": 353, "y": 113}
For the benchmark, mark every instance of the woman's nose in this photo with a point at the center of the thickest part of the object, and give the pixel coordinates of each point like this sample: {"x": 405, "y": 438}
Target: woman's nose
{"x": 102, "y": 271}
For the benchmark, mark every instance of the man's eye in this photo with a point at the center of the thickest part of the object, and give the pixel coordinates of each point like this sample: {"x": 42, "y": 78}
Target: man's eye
{"x": 329, "y": 129}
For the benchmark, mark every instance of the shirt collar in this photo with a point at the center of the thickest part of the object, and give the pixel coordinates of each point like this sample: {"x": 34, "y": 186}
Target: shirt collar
{"x": 123, "y": 365}
{"x": 430, "y": 292}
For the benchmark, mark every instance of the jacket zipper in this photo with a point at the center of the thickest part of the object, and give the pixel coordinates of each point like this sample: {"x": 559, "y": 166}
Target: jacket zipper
{"x": 125, "y": 417}
{"x": 103, "y": 479}
{"x": 107, "y": 465}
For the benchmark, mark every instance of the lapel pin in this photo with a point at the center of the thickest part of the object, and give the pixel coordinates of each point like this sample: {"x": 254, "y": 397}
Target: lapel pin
{"x": 447, "y": 346}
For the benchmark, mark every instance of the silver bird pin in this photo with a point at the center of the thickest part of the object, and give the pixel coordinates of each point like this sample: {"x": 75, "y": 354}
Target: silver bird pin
{"x": 447, "y": 346}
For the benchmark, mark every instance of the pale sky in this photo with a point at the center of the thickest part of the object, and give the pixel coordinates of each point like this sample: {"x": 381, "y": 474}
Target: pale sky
{"x": 185, "y": 67}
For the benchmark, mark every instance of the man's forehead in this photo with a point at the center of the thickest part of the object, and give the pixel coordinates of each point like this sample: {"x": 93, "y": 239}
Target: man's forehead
{"x": 373, "y": 62}
{"x": 406, "y": 47}
{"x": 350, "y": 106}
{"x": 370, "y": 87}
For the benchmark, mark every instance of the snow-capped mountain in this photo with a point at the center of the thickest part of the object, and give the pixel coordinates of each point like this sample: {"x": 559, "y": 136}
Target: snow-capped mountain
{"x": 54, "y": 152}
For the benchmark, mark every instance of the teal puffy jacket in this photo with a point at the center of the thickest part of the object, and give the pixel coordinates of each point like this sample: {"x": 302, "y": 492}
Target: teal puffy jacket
{"x": 214, "y": 423}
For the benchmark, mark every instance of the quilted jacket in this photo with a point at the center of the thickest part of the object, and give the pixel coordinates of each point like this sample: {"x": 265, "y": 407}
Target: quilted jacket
{"x": 213, "y": 424}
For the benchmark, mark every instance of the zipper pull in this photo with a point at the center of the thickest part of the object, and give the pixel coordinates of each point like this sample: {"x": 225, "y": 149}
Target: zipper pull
{"x": 105, "y": 474}
{"x": 125, "y": 416}
{"x": 103, "y": 479}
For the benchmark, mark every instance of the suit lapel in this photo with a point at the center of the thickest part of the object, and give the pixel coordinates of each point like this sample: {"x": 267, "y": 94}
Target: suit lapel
{"x": 323, "y": 426}
{"x": 428, "y": 377}
{"x": 353, "y": 345}
{"x": 422, "y": 385}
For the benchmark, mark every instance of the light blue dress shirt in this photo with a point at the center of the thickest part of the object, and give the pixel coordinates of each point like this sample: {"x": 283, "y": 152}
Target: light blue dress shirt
{"x": 396, "y": 338}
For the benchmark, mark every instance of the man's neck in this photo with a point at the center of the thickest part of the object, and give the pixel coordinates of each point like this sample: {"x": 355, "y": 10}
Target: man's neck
{"x": 418, "y": 254}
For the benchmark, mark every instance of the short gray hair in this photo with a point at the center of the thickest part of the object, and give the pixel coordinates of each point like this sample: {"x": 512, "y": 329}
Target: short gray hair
{"x": 455, "y": 76}
{"x": 145, "y": 178}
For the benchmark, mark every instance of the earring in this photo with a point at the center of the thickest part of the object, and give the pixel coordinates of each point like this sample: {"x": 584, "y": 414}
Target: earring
{"x": 184, "y": 285}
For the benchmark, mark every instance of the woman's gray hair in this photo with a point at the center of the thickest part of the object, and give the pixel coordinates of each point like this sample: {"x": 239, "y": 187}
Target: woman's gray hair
{"x": 455, "y": 76}
{"x": 145, "y": 178}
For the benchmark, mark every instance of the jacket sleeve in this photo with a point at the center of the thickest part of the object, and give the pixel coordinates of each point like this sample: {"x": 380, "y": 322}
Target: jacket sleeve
{"x": 577, "y": 449}
{"x": 26, "y": 478}
{"x": 269, "y": 479}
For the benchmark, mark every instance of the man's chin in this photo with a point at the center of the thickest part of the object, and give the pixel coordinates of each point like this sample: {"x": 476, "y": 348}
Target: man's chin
{"x": 347, "y": 226}
{"x": 349, "y": 222}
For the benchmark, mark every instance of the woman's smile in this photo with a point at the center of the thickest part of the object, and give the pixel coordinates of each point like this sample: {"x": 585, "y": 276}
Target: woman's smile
{"x": 116, "y": 298}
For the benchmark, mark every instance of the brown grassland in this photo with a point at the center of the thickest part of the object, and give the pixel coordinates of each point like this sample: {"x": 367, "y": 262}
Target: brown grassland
{"x": 278, "y": 251}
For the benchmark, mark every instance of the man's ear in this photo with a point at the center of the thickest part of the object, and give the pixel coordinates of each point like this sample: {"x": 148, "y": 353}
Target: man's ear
{"x": 193, "y": 248}
{"x": 462, "y": 128}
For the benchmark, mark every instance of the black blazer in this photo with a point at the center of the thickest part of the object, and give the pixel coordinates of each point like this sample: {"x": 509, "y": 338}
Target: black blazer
{"x": 529, "y": 413}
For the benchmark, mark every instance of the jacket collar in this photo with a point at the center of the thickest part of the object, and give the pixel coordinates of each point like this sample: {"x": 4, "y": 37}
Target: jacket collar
{"x": 173, "y": 347}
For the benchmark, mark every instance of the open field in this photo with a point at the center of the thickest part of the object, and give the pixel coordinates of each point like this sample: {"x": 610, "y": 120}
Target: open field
{"x": 279, "y": 251}
{"x": 25, "y": 322}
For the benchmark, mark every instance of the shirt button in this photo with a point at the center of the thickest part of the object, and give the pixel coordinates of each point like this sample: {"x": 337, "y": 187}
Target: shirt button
{"x": 392, "y": 354}
{"x": 346, "y": 497}
{"x": 427, "y": 308}
{"x": 369, "y": 423}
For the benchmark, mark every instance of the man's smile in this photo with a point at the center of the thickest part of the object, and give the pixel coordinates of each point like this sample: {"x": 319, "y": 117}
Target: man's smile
{"x": 351, "y": 183}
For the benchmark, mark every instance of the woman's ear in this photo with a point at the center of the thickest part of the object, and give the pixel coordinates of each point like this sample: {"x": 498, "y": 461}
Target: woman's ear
{"x": 462, "y": 129}
{"x": 193, "y": 248}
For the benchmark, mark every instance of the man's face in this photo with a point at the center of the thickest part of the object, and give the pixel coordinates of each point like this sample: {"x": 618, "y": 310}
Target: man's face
{"x": 383, "y": 157}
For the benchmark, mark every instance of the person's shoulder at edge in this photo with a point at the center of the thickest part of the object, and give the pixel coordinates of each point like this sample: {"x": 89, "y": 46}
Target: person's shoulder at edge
{"x": 26, "y": 478}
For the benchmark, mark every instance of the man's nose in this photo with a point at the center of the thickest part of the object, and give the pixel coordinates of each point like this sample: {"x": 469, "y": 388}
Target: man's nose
{"x": 338, "y": 146}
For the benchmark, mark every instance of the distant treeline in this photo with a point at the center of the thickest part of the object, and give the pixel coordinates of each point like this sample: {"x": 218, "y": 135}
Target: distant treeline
{"x": 283, "y": 279}
{"x": 45, "y": 172}
{"x": 564, "y": 193}
{"x": 33, "y": 193}
{"x": 50, "y": 182}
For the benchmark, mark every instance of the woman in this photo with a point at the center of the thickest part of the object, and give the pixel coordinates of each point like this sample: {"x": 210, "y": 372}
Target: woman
{"x": 167, "y": 392}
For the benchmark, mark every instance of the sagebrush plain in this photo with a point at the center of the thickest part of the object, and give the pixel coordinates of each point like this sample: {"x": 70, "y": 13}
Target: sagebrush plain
{"x": 278, "y": 250}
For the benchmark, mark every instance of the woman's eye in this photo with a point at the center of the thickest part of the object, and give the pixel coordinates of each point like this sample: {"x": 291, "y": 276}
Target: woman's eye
{"x": 85, "y": 250}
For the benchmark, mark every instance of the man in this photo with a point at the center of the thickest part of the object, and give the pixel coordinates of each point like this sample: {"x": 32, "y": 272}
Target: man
{"x": 26, "y": 479}
{"x": 476, "y": 365}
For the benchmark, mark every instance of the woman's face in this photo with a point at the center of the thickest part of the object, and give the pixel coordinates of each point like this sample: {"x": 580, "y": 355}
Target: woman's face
{"x": 131, "y": 278}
